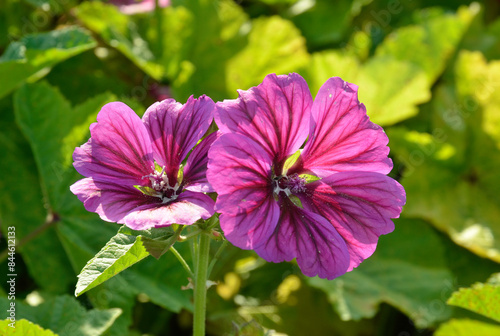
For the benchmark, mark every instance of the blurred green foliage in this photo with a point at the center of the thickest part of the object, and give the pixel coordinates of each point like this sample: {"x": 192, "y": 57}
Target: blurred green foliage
{"x": 430, "y": 74}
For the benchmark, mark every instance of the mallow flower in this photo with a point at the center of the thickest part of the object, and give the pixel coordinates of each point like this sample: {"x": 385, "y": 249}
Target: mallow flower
{"x": 134, "y": 168}
{"x": 325, "y": 204}
{"x": 138, "y": 6}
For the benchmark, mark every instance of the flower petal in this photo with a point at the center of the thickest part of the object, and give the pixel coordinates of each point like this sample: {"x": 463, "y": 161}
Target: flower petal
{"x": 359, "y": 205}
{"x": 119, "y": 148}
{"x": 195, "y": 171}
{"x": 186, "y": 209}
{"x": 304, "y": 235}
{"x": 175, "y": 129}
{"x": 236, "y": 162}
{"x": 110, "y": 200}
{"x": 275, "y": 114}
{"x": 342, "y": 137}
{"x": 240, "y": 172}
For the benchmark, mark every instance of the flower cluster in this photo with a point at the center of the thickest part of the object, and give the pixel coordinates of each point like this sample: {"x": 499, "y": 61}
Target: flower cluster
{"x": 295, "y": 178}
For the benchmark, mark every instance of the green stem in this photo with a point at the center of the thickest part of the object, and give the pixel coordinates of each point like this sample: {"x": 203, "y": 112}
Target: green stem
{"x": 216, "y": 256}
{"x": 200, "y": 286}
{"x": 191, "y": 235}
{"x": 182, "y": 261}
{"x": 32, "y": 235}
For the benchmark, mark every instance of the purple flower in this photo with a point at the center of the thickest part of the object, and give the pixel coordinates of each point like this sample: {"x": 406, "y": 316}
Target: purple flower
{"x": 328, "y": 208}
{"x": 133, "y": 168}
{"x": 138, "y": 6}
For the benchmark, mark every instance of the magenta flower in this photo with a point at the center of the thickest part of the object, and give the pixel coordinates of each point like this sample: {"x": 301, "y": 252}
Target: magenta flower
{"x": 138, "y": 6}
{"x": 328, "y": 209}
{"x": 133, "y": 168}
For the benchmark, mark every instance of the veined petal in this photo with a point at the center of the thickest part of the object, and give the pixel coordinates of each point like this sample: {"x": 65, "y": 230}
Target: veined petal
{"x": 236, "y": 162}
{"x": 251, "y": 216}
{"x": 275, "y": 114}
{"x": 240, "y": 172}
{"x": 186, "y": 209}
{"x": 175, "y": 128}
{"x": 119, "y": 148}
{"x": 342, "y": 137}
{"x": 110, "y": 200}
{"x": 195, "y": 171}
{"x": 359, "y": 205}
{"x": 304, "y": 235}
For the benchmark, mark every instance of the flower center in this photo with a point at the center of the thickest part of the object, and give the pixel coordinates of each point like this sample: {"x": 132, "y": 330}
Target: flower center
{"x": 160, "y": 187}
{"x": 289, "y": 184}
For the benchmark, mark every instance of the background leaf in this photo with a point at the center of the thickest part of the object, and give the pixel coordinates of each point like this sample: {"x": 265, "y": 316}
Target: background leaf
{"x": 65, "y": 316}
{"x": 480, "y": 298}
{"x": 34, "y": 55}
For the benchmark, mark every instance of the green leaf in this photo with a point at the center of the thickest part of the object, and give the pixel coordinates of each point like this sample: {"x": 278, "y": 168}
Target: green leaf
{"x": 201, "y": 70}
{"x": 121, "y": 32}
{"x": 17, "y": 160}
{"x": 23, "y": 327}
{"x": 480, "y": 80}
{"x": 465, "y": 327}
{"x": 450, "y": 176}
{"x": 400, "y": 273}
{"x": 121, "y": 252}
{"x": 156, "y": 241}
{"x": 437, "y": 39}
{"x": 407, "y": 76}
{"x": 34, "y": 55}
{"x": 65, "y": 316}
{"x": 274, "y": 46}
{"x": 126, "y": 248}
{"x": 325, "y": 22}
{"x": 481, "y": 298}
{"x": 405, "y": 85}
{"x": 54, "y": 129}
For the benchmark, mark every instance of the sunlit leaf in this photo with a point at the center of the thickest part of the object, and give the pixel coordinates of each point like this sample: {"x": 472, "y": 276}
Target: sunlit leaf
{"x": 481, "y": 298}
{"x": 121, "y": 252}
{"x": 274, "y": 46}
{"x": 437, "y": 38}
{"x": 33, "y": 56}
{"x": 23, "y": 327}
{"x": 465, "y": 327}
{"x": 450, "y": 176}
{"x": 396, "y": 79}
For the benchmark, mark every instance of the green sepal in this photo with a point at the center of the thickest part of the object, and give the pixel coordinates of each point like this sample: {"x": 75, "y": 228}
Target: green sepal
{"x": 291, "y": 161}
{"x": 309, "y": 178}
{"x": 295, "y": 200}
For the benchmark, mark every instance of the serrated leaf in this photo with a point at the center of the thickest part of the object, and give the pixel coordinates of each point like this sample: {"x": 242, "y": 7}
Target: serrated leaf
{"x": 23, "y": 327}
{"x": 34, "y": 55}
{"x": 283, "y": 50}
{"x": 465, "y": 327}
{"x": 156, "y": 241}
{"x": 65, "y": 316}
{"x": 121, "y": 252}
{"x": 481, "y": 298}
